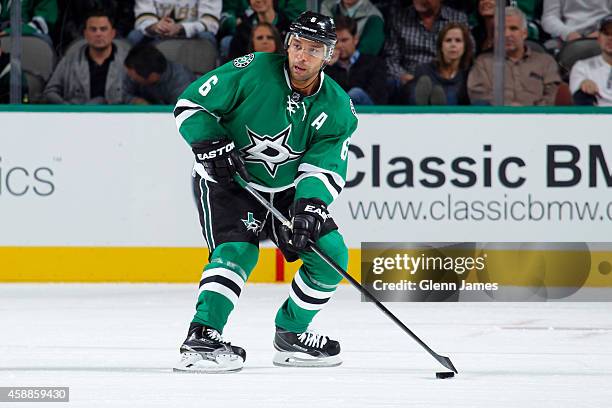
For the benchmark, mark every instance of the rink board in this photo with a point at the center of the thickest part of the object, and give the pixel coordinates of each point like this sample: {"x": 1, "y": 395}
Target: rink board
{"x": 106, "y": 196}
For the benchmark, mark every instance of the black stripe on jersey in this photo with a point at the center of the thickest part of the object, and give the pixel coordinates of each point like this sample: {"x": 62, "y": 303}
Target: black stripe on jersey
{"x": 223, "y": 281}
{"x": 38, "y": 25}
{"x": 332, "y": 182}
{"x": 180, "y": 109}
{"x": 308, "y": 299}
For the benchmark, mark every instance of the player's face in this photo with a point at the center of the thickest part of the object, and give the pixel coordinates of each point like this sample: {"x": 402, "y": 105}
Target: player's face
{"x": 263, "y": 40}
{"x": 305, "y": 58}
{"x": 98, "y": 32}
{"x": 605, "y": 40}
{"x": 453, "y": 46}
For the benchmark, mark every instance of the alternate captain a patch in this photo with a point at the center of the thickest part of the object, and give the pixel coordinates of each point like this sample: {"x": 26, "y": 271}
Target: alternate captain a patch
{"x": 243, "y": 61}
{"x": 271, "y": 151}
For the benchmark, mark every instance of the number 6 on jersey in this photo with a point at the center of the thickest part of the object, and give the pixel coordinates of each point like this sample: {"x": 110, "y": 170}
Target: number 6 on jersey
{"x": 207, "y": 86}
{"x": 345, "y": 148}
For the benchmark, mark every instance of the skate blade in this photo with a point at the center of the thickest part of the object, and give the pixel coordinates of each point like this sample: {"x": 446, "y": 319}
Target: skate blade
{"x": 296, "y": 359}
{"x": 195, "y": 363}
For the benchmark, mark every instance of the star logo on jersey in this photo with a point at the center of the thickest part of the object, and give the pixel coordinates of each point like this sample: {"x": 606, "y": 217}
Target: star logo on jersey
{"x": 271, "y": 151}
{"x": 243, "y": 61}
{"x": 251, "y": 223}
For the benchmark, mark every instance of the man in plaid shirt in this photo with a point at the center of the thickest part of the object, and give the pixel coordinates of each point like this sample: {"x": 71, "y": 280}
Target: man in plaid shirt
{"x": 413, "y": 31}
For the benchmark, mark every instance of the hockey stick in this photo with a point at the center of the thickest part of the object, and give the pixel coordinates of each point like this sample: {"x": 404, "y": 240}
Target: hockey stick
{"x": 445, "y": 361}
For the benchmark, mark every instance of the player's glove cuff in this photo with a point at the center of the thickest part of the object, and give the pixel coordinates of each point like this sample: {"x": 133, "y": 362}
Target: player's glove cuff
{"x": 310, "y": 219}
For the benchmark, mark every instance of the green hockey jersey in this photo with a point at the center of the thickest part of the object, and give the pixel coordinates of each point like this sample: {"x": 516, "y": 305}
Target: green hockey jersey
{"x": 285, "y": 139}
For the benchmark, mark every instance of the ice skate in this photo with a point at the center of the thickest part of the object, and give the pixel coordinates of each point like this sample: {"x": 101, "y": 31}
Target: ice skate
{"x": 205, "y": 351}
{"x": 307, "y": 349}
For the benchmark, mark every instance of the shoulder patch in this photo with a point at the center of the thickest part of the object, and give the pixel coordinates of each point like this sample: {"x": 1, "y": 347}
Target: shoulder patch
{"x": 243, "y": 61}
{"x": 352, "y": 107}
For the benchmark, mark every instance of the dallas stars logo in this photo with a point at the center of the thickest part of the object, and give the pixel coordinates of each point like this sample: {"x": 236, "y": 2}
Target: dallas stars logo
{"x": 271, "y": 151}
{"x": 251, "y": 223}
{"x": 243, "y": 61}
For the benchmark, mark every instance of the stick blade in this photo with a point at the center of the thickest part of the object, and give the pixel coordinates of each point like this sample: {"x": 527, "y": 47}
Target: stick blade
{"x": 446, "y": 362}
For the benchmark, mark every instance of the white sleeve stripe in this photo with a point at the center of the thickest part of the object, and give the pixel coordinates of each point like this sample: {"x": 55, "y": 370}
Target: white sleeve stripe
{"x": 318, "y": 294}
{"x": 329, "y": 187}
{"x": 302, "y": 304}
{"x": 183, "y": 117}
{"x": 220, "y": 289}
{"x": 186, "y": 103}
{"x": 226, "y": 273}
{"x": 188, "y": 109}
{"x": 310, "y": 168}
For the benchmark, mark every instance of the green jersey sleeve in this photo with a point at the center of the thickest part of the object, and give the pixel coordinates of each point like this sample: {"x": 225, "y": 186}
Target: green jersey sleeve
{"x": 322, "y": 170}
{"x": 207, "y": 100}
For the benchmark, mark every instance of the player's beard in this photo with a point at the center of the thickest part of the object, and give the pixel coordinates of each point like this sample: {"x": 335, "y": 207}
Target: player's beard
{"x": 302, "y": 82}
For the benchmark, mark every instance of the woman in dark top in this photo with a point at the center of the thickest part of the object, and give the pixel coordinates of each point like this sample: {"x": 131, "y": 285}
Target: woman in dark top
{"x": 443, "y": 81}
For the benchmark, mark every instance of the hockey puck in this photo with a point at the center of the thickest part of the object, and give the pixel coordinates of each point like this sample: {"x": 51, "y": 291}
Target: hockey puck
{"x": 443, "y": 374}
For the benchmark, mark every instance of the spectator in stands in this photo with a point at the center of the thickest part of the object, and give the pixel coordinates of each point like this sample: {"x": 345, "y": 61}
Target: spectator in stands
{"x": 531, "y": 78}
{"x": 362, "y": 76}
{"x": 260, "y": 11}
{"x": 292, "y": 8}
{"x": 38, "y": 18}
{"x": 467, "y": 6}
{"x": 484, "y": 30}
{"x": 591, "y": 79}
{"x": 533, "y": 12}
{"x": 265, "y": 38}
{"x": 153, "y": 80}
{"x": 444, "y": 80}
{"x": 568, "y": 20}
{"x": 93, "y": 73}
{"x": 413, "y": 31}
{"x": 233, "y": 11}
{"x": 162, "y": 19}
{"x": 73, "y": 13}
{"x": 5, "y": 80}
{"x": 370, "y": 23}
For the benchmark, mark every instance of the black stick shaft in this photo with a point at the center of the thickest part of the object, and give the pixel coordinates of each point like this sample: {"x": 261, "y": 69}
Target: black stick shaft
{"x": 445, "y": 361}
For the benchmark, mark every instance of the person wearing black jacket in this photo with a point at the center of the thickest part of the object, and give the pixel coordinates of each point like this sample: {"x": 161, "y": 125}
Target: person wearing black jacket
{"x": 362, "y": 76}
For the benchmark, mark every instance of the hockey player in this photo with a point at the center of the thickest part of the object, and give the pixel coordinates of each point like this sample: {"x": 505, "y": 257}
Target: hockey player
{"x": 289, "y": 126}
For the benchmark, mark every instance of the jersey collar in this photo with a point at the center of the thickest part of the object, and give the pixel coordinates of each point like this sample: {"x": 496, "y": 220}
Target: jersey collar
{"x": 288, "y": 81}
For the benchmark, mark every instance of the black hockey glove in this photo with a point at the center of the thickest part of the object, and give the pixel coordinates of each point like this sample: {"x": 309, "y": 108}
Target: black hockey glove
{"x": 220, "y": 160}
{"x": 307, "y": 216}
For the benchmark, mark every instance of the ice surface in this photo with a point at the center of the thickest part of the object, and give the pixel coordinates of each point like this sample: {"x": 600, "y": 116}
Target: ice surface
{"x": 114, "y": 346}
